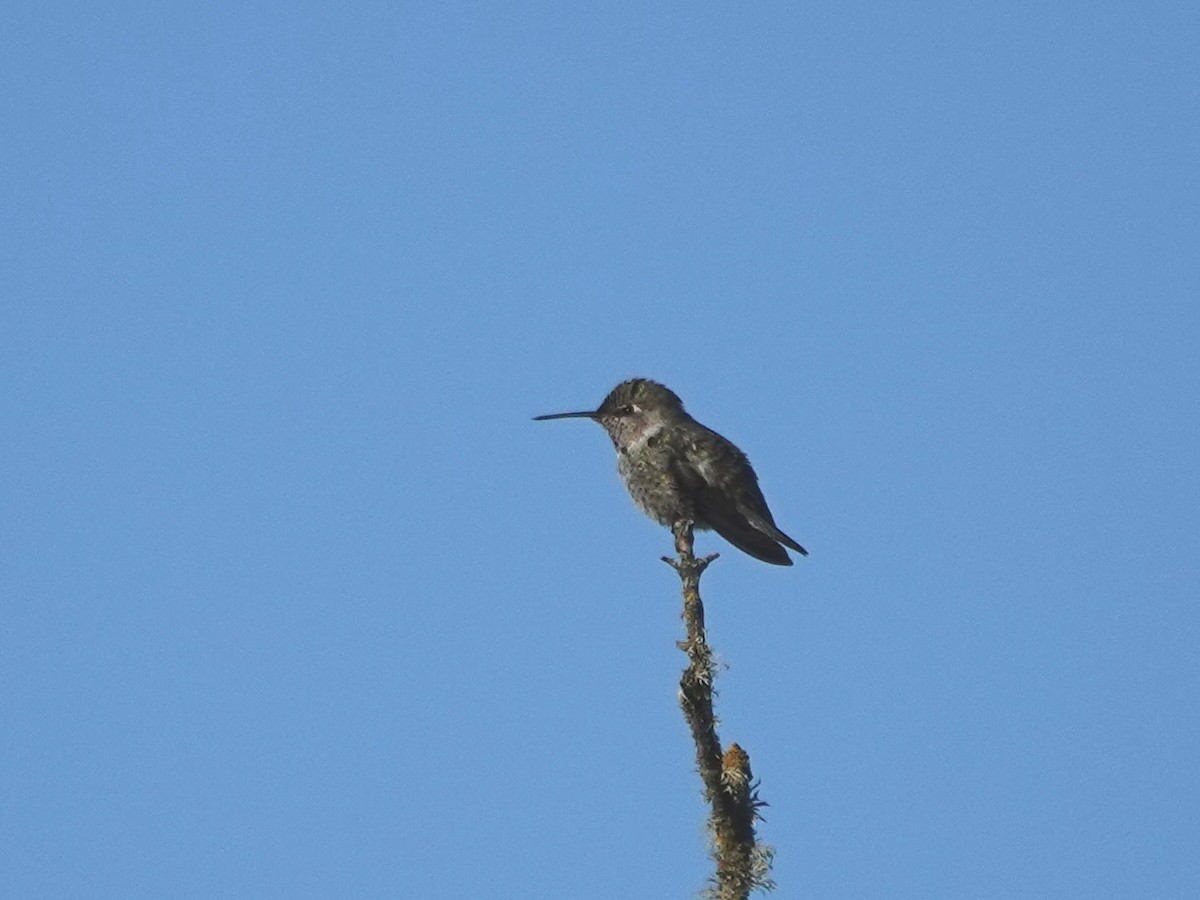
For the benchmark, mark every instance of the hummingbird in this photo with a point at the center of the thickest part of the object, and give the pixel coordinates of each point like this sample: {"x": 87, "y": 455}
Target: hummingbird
{"x": 677, "y": 470}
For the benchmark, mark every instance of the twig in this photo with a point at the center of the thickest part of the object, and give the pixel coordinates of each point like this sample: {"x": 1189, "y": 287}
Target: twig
{"x": 732, "y": 795}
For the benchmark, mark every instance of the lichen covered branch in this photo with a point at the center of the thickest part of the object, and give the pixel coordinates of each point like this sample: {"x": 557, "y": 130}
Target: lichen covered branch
{"x": 742, "y": 865}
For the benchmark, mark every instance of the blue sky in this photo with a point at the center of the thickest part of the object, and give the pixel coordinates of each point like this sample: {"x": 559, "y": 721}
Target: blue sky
{"x": 298, "y": 602}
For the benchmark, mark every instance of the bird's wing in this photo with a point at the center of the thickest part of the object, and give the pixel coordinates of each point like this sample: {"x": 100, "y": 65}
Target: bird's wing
{"x": 767, "y": 524}
{"x": 713, "y": 508}
{"x": 746, "y": 538}
{"x": 722, "y": 454}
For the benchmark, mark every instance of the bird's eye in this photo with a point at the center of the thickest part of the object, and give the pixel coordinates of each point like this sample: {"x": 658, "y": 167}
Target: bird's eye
{"x": 627, "y": 409}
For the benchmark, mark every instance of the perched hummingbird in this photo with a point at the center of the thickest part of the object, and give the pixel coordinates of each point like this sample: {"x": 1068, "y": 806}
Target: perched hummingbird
{"x": 678, "y": 470}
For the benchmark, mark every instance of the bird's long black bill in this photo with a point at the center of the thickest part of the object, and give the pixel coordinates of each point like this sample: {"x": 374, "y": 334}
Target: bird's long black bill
{"x": 570, "y": 415}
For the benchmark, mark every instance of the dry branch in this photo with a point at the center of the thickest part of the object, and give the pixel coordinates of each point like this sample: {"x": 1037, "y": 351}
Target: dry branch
{"x": 742, "y": 865}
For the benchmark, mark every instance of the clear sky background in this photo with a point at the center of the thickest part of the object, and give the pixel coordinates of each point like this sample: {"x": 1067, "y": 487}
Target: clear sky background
{"x": 298, "y": 602}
